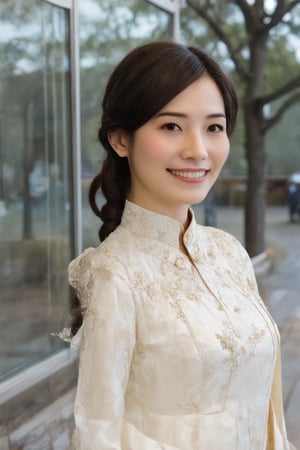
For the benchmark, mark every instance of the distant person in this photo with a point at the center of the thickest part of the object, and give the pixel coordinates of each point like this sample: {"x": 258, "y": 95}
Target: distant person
{"x": 210, "y": 210}
{"x": 178, "y": 351}
{"x": 294, "y": 201}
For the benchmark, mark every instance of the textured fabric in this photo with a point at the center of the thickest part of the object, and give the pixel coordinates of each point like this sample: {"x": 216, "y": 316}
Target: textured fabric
{"x": 176, "y": 352}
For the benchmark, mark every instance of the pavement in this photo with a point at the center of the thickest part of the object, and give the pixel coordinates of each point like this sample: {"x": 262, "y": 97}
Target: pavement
{"x": 279, "y": 285}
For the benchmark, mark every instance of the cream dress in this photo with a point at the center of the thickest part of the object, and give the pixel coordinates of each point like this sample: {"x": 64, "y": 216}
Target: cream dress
{"x": 176, "y": 352}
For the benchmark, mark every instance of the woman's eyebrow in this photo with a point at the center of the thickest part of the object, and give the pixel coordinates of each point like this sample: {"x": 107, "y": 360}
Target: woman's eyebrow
{"x": 185, "y": 116}
{"x": 216, "y": 115}
{"x": 172, "y": 113}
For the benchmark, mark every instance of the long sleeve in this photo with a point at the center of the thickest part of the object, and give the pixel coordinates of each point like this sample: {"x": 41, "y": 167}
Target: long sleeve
{"x": 276, "y": 422}
{"x": 107, "y": 339}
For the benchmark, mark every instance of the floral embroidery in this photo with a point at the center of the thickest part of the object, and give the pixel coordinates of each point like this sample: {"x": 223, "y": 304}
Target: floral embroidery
{"x": 170, "y": 341}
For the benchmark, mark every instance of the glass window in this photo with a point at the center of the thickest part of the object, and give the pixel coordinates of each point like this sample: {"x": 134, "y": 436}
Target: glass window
{"x": 35, "y": 162}
{"x": 108, "y": 30}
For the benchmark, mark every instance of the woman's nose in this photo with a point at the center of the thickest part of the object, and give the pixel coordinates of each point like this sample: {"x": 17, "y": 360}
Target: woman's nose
{"x": 195, "y": 146}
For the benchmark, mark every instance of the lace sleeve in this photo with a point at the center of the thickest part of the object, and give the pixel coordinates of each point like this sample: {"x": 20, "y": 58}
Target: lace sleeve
{"x": 107, "y": 343}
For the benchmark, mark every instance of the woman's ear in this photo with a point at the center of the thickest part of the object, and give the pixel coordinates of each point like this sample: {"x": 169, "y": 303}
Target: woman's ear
{"x": 119, "y": 142}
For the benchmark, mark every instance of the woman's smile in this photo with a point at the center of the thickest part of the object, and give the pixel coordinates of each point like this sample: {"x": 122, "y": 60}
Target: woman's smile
{"x": 189, "y": 175}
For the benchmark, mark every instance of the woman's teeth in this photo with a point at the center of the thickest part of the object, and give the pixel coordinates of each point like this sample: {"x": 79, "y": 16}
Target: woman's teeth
{"x": 182, "y": 173}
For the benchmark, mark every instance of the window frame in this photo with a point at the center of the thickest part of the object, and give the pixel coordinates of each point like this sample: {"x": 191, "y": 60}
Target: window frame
{"x": 172, "y": 7}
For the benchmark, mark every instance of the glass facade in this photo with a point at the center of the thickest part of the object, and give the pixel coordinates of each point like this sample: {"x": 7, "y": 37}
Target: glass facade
{"x": 35, "y": 180}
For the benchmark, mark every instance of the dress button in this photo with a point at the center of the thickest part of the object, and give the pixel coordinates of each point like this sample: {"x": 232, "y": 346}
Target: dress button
{"x": 179, "y": 263}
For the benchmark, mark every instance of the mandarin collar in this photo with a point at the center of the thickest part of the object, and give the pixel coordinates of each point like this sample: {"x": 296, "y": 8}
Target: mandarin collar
{"x": 149, "y": 224}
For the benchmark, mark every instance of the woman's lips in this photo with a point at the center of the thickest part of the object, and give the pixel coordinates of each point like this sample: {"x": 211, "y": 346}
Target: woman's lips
{"x": 189, "y": 175}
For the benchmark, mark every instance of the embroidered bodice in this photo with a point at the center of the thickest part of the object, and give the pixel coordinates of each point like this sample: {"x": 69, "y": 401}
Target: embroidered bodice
{"x": 178, "y": 351}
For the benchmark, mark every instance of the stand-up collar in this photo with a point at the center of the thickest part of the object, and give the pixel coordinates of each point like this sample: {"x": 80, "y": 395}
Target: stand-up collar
{"x": 152, "y": 225}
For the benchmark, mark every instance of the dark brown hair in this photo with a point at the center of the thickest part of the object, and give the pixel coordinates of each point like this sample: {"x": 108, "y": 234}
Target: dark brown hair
{"x": 146, "y": 80}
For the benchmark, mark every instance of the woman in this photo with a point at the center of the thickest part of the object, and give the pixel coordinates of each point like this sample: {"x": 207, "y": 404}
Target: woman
{"x": 177, "y": 349}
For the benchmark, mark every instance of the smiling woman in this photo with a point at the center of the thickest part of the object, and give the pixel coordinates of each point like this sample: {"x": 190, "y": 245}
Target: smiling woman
{"x": 176, "y": 156}
{"x": 177, "y": 348}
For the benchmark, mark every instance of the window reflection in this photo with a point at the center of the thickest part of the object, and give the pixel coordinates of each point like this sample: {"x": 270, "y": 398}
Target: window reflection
{"x": 35, "y": 166}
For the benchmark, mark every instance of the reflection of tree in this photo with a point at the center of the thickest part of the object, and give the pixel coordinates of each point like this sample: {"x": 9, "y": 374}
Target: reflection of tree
{"x": 33, "y": 75}
{"x": 34, "y": 140}
{"x": 117, "y": 26}
{"x": 25, "y": 111}
{"x": 22, "y": 11}
{"x": 1, "y": 162}
{"x": 17, "y": 92}
{"x": 31, "y": 88}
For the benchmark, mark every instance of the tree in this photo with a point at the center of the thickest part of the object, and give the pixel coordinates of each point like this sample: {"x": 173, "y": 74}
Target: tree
{"x": 252, "y": 32}
{"x": 34, "y": 112}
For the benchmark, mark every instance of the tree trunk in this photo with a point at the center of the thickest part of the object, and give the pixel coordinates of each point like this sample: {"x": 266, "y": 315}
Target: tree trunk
{"x": 255, "y": 148}
{"x": 256, "y": 184}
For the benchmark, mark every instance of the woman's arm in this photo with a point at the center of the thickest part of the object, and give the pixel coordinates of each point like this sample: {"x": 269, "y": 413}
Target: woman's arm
{"x": 107, "y": 340}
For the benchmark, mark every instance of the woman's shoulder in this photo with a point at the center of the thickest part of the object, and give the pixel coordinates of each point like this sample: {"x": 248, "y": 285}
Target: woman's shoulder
{"x": 215, "y": 233}
{"x": 95, "y": 272}
{"x": 95, "y": 258}
{"x": 105, "y": 261}
{"x": 110, "y": 249}
{"x": 221, "y": 241}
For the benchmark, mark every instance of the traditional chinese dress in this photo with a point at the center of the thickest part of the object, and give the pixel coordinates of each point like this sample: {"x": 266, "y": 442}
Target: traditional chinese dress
{"x": 177, "y": 351}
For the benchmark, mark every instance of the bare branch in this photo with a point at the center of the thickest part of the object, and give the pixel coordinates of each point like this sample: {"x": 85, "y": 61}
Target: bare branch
{"x": 280, "y": 92}
{"x": 268, "y": 123}
{"x": 218, "y": 30}
{"x": 247, "y": 13}
{"x": 291, "y": 5}
{"x": 281, "y": 10}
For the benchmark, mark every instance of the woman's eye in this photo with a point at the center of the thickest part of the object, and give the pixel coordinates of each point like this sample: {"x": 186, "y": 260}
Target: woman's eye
{"x": 215, "y": 128}
{"x": 171, "y": 127}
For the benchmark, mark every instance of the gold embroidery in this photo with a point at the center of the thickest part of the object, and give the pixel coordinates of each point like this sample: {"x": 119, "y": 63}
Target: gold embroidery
{"x": 180, "y": 358}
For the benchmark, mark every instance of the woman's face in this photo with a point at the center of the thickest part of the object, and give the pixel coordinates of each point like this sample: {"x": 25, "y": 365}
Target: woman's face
{"x": 177, "y": 155}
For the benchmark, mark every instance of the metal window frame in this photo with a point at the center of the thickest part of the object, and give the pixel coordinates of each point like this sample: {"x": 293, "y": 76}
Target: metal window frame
{"x": 67, "y": 4}
{"x": 73, "y": 8}
{"x": 172, "y": 7}
{"x": 76, "y": 127}
{"x": 35, "y": 374}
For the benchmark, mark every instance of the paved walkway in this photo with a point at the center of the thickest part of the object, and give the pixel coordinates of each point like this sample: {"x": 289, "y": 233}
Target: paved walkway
{"x": 280, "y": 289}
